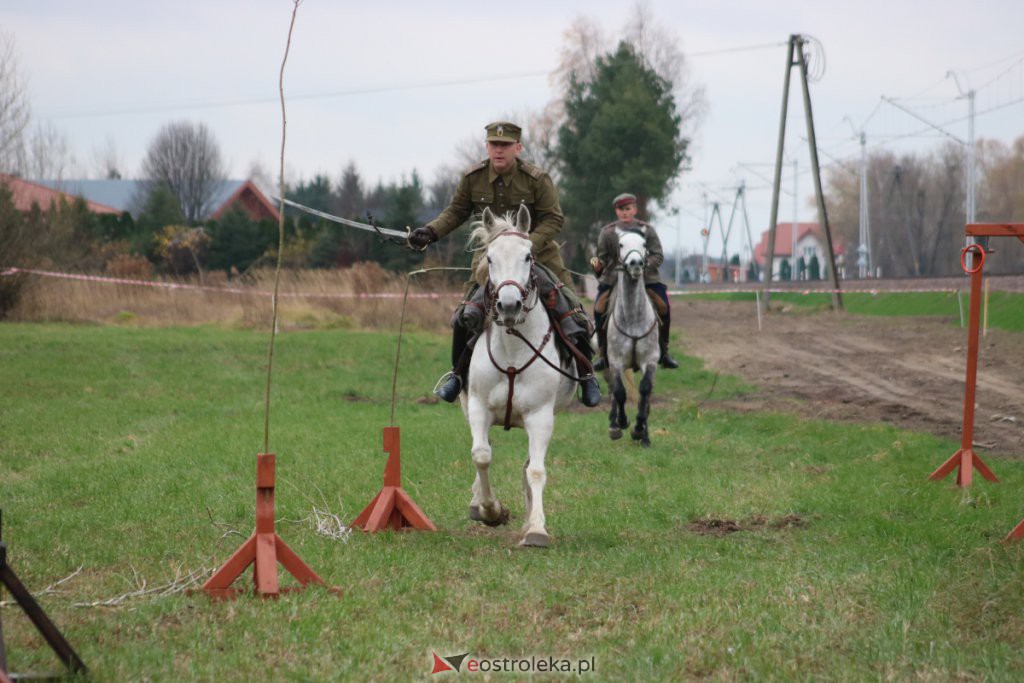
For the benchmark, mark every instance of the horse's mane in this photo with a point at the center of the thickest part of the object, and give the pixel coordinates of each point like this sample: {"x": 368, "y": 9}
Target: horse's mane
{"x": 481, "y": 236}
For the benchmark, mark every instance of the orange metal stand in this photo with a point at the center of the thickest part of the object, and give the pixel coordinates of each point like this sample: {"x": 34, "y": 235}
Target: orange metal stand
{"x": 392, "y": 508}
{"x": 966, "y": 459}
{"x": 264, "y": 548}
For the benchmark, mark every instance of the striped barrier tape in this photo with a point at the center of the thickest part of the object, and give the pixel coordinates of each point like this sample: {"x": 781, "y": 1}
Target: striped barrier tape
{"x": 228, "y": 290}
{"x": 433, "y": 295}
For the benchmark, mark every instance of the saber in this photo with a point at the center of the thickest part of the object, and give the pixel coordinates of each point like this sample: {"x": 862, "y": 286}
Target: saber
{"x": 399, "y": 234}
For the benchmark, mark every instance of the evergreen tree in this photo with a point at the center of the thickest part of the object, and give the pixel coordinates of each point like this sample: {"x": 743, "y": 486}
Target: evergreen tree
{"x": 814, "y": 270}
{"x": 622, "y": 134}
{"x": 162, "y": 208}
{"x": 238, "y": 241}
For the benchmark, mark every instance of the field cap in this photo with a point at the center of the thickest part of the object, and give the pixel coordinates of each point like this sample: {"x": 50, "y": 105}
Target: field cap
{"x": 624, "y": 199}
{"x": 503, "y": 131}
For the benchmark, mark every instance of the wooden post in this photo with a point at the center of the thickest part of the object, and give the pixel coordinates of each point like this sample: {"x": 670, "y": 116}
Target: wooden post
{"x": 37, "y": 616}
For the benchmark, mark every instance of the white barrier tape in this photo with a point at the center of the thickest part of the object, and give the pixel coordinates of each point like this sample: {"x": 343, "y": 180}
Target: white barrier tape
{"x": 228, "y": 290}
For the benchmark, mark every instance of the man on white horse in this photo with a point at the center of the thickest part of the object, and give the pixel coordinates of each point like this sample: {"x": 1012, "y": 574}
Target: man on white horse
{"x": 503, "y": 182}
{"x": 604, "y": 267}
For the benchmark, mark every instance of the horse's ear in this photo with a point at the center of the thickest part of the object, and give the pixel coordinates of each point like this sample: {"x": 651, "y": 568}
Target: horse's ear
{"x": 488, "y": 218}
{"x": 523, "y": 219}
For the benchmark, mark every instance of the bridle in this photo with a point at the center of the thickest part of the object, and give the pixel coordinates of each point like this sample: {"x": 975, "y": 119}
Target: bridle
{"x": 491, "y": 299}
{"x": 635, "y": 338}
{"x": 491, "y": 293}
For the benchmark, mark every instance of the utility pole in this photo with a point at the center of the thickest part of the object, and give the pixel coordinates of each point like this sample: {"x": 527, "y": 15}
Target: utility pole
{"x": 969, "y": 154}
{"x": 679, "y": 248}
{"x": 796, "y": 219}
{"x": 864, "y": 267}
{"x": 796, "y": 57}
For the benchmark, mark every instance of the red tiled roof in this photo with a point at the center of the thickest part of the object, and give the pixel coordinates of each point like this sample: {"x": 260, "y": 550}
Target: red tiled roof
{"x": 784, "y": 239}
{"x": 250, "y": 200}
{"x": 26, "y": 194}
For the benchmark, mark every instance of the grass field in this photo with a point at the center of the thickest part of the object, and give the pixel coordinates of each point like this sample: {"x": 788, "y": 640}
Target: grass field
{"x": 1006, "y": 309}
{"x": 755, "y": 546}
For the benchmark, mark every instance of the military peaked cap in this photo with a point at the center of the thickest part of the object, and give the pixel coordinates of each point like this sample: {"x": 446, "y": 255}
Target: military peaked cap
{"x": 624, "y": 199}
{"x": 503, "y": 131}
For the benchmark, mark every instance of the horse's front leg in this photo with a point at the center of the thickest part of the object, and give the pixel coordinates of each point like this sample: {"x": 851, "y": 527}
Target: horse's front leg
{"x": 484, "y": 507}
{"x": 614, "y": 430}
{"x": 539, "y": 426}
{"x": 617, "y": 420}
{"x": 640, "y": 430}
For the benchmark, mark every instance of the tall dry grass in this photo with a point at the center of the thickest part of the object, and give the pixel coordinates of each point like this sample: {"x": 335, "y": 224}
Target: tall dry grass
{"x": 310, "y": 299}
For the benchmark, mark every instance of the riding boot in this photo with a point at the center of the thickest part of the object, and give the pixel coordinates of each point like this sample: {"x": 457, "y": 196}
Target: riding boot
{"x": 456, "y": 377}
{"x": 666, "y": 361}
{"x": 590, "y": 390}
{"x": 602, "y": 343}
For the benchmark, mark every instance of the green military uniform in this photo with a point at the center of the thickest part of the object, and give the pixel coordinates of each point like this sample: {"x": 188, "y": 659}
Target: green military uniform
{"x": 522, "y": 185}
{"x": 608, "y": 250}
{"x": 481, "y": 186}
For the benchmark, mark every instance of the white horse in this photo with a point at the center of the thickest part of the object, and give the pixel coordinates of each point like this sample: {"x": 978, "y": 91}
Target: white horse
{"x": 515, "y": 376}
{"x": 632, "y": 339}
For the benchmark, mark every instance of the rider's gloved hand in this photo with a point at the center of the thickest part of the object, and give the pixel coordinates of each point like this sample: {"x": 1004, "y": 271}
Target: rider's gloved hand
{"x": 421, "y": 237}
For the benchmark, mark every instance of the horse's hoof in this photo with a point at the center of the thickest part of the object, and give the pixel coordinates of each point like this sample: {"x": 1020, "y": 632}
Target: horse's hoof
{"x": 614, "y": 433}
{"x": 534, "y": 540}
{"x": 502, "y": 518}
{"x": 636, "y": 436}
{"x": 645, "y": 442}
{"x": 474, "y": 513}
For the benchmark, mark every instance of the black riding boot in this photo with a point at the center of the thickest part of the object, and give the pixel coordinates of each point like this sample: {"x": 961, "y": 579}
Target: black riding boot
{"x": 602, "y": 350}
{"x": 456, "y": 378}
{"x": 590, "y": 390}
{"x": 666, "y": 361}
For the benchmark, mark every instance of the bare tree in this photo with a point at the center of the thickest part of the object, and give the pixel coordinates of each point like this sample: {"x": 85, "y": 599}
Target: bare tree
{"x": 261, "y": 178}
{"x": 185, "y": 157}
{"x": 48, "y": 155}
{"x": 659, "y": 48}
{"x": 107, "y": 162}
{"x": 14, "y": 107}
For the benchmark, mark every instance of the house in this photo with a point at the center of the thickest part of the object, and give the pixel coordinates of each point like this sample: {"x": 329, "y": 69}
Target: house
{"x": 128, "y": 195}
{"x": 810, "y": 244}
{"x": 26, "y": 193}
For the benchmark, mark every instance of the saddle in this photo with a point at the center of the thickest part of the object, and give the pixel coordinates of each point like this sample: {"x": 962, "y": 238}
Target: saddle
{"x": 604, "y": 302}
{"x": 566, "y": 312}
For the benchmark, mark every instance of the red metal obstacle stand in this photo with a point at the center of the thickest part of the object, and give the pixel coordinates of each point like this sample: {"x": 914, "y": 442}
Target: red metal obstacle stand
{"x": 392, "y": 508}
{"x": 264, "y": 548}
{"x": 966, "y": 459}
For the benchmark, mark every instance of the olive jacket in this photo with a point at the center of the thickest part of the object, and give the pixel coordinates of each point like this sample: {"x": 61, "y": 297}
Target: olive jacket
{"x": 481, "y": 186}
{"x": 608, "y": 250}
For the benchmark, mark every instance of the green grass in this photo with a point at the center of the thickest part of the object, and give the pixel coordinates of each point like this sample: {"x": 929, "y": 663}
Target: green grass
{"x": 1006, "y": 309}
{"x": 118, "y": 447}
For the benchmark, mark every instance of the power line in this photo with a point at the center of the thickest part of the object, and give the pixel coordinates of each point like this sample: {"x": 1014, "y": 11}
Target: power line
{"x": 149, "y": 109}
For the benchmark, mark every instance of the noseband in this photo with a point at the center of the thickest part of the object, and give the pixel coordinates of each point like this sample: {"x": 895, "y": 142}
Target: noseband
{"x": 643, "y": 257}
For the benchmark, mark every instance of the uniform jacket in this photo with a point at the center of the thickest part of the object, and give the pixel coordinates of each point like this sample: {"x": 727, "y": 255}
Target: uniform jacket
{"x": 608, "y": 250}
{"x": 526, "y": 184}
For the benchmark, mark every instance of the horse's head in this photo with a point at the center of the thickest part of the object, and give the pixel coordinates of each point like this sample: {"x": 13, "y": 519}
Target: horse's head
{"x": 509, "y": 262}
{"x": 633, "y": 254}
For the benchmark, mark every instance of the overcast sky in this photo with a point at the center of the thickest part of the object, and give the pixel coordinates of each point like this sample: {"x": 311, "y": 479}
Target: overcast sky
{"x": 397, "y": 86}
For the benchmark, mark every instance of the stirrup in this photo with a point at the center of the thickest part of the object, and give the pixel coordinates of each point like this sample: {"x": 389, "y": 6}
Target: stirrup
{"x": 448, "y": 387}
{"x": 600, "y": 364}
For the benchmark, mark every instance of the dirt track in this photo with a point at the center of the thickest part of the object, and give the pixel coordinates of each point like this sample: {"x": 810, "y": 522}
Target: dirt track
{"x": 907, "y": 371}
